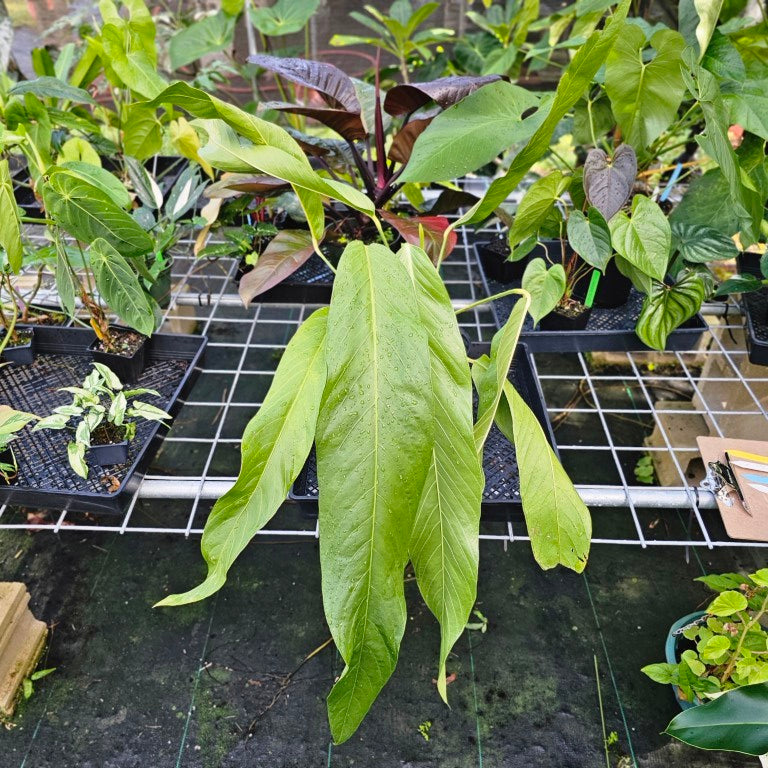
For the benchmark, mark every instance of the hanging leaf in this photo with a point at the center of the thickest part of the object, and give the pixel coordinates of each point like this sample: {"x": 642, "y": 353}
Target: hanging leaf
{"x": 668, "y": 307}
{"x": 608, "y": 187}
{"x": 574, "y": 81}
{"x": 590, "y": 237}
{"x": 431, "y": 228}
{"x": 374, "y": 443}
{"x": 186, "y": 141}
{"x": 120, "y": 287}
{"x": 87, "y": 214}
{"x": 737, "y": 721}
{"x": 275, "y": 446}
{"x": 288, "y": 250}
{"x": 489, "y": 378}
{"x": 443, "y": 545}
{"x": 10, "y": 223}
{"x": 644, "y": 239}
{"x": 699, "y": 244}
{"x": 473, "y": 132}
{"x": 144, "y": 185}
{"x": 645, "y": 95}
{"x": 546, "y": 286}
{"x": 65, "y": 282}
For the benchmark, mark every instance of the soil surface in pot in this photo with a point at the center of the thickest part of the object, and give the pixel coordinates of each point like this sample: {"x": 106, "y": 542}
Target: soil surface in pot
{"x": 570, "y": 308}
{"x": 107, "y": 434}
{"x": 124, "y": 343}
{"x": 20, "y": 338}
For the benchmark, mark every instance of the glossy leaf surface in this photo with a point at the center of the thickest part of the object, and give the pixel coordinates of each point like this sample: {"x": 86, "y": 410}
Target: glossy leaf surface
{"x": 374, "y": 443}
{"x": 275, "y": 445}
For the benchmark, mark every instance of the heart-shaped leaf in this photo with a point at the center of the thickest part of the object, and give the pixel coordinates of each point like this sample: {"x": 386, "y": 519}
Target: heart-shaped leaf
{"x": 546, "y": 287}
{"x": 699, "y": 244}
{"x": 609, "y": 185}
{"x": 590, "y": 237}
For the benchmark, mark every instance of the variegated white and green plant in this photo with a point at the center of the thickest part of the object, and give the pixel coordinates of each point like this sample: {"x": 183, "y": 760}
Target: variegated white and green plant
{"x": 99, "y": 402}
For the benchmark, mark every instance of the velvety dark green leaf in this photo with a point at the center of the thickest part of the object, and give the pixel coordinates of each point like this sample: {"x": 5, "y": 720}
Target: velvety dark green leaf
{"x": 645, "y": 95}
{"x": 471, "y": 133}
{"x": 275, "y": 446}
{"x": 103, "y": 180}
{"x": 120, "y": 287}
{"x": 10, "y": 224}
{"x": 65, "y": 282}
{"x": 707, "y": 203}
{"x": 53, "y": 88}
{"x": 546, "y": 286}
{"x": 286, "y": 252}
{"x": 87, "y": 214}
{"x": 723, "y": 59}
{"x": 574, "y": 82}
{"x": 374, "y": 445}
{"x": 644, "y": 239}
{"x": 668, "y": 307}
{"x": 608, "y": 186}
{"x": 443, "y": 545}
{"x": 749, "y": 107}
{"x": 737, "y": 721}
{"x": 590, "y": 237}
{"x": 699, "y": 244}
{"x": 208, "y": 35}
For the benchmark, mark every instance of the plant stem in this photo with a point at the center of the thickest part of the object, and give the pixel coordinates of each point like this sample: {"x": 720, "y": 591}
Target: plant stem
{"x": 10, "y": 329}
{"x": 517, "y": 291}
{"x": 747, "y": 626}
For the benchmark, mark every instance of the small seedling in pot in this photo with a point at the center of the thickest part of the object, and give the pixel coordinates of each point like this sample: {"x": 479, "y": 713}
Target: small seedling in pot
{"x": 106, "y": 417}
{"x": 11, "y": 422}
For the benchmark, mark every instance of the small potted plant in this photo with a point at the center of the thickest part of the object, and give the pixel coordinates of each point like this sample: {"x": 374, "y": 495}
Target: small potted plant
{"x": 722, "y": 647}
{"x": 106, "y": 417}
{"x": 11, "y": 421}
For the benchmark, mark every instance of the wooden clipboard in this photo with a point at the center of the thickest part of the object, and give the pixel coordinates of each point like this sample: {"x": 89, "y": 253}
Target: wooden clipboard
{"x": 738, "y": 523}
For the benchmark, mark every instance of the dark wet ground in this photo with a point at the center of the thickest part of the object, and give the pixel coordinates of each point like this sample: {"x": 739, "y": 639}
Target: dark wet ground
{"x": 200, "y": 686}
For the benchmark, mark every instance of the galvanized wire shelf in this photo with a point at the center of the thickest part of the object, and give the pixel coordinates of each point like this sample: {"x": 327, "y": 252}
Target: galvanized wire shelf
{"x": 609, "y": 410}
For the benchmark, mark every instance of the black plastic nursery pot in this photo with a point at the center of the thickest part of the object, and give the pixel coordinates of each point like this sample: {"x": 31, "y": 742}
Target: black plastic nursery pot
{"x": 493, "y": 256}
{"x": 311, "y": 283}
{"x": 24, "y": 352}
{"x": 606, "y": 329}
{"x": 501, "y": 496}
{"x": 127, "y": 368}
{"x": 558, "y": 321}
{"x": 613, "y": 289}
{"x": 109, "y": 453}
{"x": 45, "y": 480}
{"x": 755, "y": 306}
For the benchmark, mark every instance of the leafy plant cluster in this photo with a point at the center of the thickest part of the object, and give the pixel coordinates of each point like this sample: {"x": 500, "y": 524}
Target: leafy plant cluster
{"x": 729, "y": 643}
{"x": 103, "y": 412}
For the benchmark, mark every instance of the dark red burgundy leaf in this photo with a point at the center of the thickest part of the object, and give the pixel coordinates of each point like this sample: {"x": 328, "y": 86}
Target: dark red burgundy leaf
{"x": 402, "y": 144}
{"x": 404, "y": 99}
{"x": 346, "y": 124}
{"x": 433, "y": 228}
{"x": 608, "y": 186}
{"x": 231, "y": 184}
{"x": 336, "y": 87}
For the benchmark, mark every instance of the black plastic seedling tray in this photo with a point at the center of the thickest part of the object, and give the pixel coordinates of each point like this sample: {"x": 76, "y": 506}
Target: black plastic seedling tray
{"x": 501, "y": 497}
{"x": 45, "y": 479}
{"x": 755, "y": 306}
{"x": 607, "y": 330}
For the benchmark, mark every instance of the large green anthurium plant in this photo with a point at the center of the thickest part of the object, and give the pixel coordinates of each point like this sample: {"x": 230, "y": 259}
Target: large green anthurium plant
{"x": 380, "y": 383}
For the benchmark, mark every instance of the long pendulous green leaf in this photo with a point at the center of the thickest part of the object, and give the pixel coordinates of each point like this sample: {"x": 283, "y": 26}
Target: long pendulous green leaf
{"x": 444, "y": 542}
{"x": 374, "y": 442}
{"x": 10, "y": 224}
{"x": 276, "y": 444}
{"x": 489, "y": 380}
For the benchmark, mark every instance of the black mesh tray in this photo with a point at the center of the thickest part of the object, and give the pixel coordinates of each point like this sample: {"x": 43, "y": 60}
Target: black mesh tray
{"x": 755, "y": 306}
{"x": 501, "y": 497}
{"x": 311, "y": 283}
{"x": 607, "y": 329}
{"x": 45, "y": 479}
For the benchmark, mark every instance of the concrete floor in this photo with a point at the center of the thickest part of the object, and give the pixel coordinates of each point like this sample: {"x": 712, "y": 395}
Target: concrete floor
{"x": 204, "y": 686}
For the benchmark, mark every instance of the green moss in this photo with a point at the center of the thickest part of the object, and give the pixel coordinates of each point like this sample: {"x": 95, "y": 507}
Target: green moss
{"x": 216, "y": 734}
